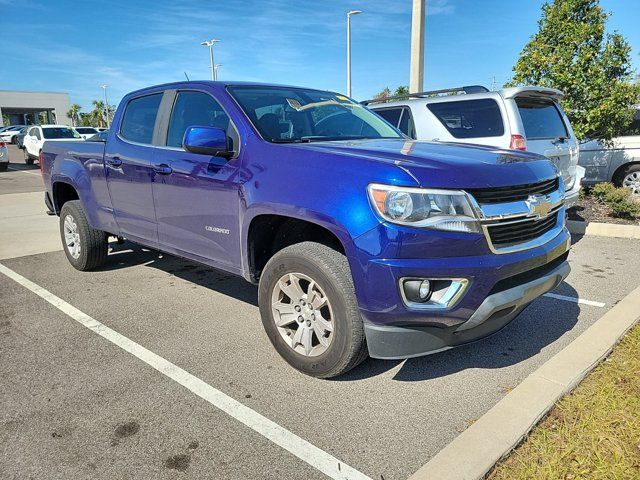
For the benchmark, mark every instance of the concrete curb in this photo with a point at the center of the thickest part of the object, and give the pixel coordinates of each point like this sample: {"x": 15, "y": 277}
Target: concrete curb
{"x": 603, "y": 229}
{"x": 472, "y": 454}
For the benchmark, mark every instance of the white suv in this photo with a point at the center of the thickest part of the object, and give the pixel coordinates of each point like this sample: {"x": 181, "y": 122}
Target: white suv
{"x": 38, "y": 134}
{"x": 521, "y": 118}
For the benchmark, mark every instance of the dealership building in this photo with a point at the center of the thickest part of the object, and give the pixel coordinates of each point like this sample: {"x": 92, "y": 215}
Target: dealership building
{"x": 31, "y": 108}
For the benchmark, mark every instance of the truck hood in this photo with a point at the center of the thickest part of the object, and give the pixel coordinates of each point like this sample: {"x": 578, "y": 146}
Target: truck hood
{"x": 446, "y": 165}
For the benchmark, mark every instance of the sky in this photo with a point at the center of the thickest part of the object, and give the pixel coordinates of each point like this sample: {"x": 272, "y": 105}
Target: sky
{"x": 75, "y": 47}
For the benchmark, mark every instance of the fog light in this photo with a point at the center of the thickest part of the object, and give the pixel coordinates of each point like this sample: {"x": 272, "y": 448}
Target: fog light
{"x": 417, "y": 290}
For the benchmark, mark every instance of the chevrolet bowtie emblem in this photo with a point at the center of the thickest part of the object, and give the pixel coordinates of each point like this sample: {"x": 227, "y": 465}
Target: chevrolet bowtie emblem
{"x": 539, "y": 206}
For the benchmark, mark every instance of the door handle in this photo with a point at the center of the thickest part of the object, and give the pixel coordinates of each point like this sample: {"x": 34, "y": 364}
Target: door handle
{"x": 163, "y": 169}
{"x": 114, "y": 161}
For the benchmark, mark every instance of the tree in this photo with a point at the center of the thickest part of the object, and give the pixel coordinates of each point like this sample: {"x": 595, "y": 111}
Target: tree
{"x": 386, "y": 93}
{"x": 74, "y": 114}
{"x": 98, "y": 113}
{"x": 571, "y": 52}
{"x": 402, "y": 90}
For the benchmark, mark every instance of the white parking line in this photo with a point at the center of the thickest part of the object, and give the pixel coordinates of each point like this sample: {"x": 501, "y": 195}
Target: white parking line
{"x": 575, "y": 300}
{"x": 32, "y": 172}
{"x": 305, "y": 451}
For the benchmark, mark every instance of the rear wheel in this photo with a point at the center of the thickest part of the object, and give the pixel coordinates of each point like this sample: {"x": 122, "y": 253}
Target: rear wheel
{"x": 28, "y": 159}
{"x": 309, "y": 310}
{"x": 84, "y": 246}
{"x": 4, "y": 166}
{"x": 630, "y": 178}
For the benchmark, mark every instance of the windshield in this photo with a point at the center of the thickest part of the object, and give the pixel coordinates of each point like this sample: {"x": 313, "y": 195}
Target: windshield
{"x": 285, "y": 114}
{"x": 59, "y": 132}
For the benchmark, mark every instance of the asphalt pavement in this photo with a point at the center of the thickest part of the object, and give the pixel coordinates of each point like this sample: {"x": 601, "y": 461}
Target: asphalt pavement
{"x": 74, "y": 405}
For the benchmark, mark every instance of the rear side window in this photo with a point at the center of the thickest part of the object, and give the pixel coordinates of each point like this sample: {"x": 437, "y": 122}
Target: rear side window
{"x": 541, "y": 119}
{"x": 400, "y": 118}
{"x": 391, "y": 115}
{"x": 194, "y": 109}
{"x": 470, "y": 118}
{"x": 139, "y": 118}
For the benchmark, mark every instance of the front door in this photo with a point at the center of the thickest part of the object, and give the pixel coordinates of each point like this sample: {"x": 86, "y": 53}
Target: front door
{"x": 129, "y": 170}
{"x": 196, "y": 197}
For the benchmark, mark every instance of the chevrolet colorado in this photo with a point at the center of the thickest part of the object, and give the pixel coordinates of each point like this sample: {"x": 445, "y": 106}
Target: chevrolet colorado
{"x": 362, "y": 241}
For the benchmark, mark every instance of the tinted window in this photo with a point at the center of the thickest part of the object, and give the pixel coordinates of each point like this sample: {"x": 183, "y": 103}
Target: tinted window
{"x": 540, "y": 119}
{"x": 284, "y": 114}
{"x": 391, "y": 115}
{"x": 85, "y": 130}
{"x": 59, "y": 132}
{"x": 194, "y": 109}
{"x": 470, "y": 118}
{"x": 406, "y": 123}
{"x": 139, "y": 118}
{"x": 634, "y": 128}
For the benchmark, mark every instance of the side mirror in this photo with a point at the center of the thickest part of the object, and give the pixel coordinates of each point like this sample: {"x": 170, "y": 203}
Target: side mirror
{"x": 207, "y": 141}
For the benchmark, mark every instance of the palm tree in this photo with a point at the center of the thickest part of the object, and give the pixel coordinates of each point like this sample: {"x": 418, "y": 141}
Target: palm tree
{"x": 74, "y": 114}
{"x": 98, "y": 113}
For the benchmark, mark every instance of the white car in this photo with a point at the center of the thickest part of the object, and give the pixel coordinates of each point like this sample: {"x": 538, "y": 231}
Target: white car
{"x": 86, "y": 132}
{"x": 38, "y": 134}
{"x": 4, "y": 157}
{"x": 8, "y": 134}
{"x": 617, "y": 161}
{"x": 520, "y": 118}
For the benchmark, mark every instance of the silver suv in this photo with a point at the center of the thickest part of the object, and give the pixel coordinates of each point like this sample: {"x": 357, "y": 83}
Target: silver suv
{"x": 521, "y": 118}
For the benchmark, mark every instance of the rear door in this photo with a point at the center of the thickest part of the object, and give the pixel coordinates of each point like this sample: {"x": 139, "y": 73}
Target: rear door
{"x": 547, "y": 133}
{"x": 197, "y": 199}
{"x": 129, "y": 169}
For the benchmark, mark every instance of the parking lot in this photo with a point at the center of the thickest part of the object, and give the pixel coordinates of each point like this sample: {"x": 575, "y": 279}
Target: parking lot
{"x": 77, "y": 405}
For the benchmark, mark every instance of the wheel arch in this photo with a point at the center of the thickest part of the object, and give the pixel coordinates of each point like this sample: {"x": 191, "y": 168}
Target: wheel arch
{"x": 616, "y": 178}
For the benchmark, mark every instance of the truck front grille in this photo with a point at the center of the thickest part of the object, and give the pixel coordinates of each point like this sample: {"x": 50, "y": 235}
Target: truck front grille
{"x": 513, "y": 193}
{"x": 508, "y": 233}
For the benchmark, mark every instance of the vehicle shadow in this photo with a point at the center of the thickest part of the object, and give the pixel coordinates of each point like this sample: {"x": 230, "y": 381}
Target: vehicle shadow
{"x": 129, "y": 254}
{"x": 539, "y": 325}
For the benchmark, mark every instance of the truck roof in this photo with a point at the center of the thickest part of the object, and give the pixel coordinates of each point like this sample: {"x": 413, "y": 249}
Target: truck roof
{"x": 183, "y": 84}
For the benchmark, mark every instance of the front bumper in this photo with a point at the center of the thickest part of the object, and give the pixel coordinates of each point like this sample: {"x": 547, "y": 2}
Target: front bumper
{"x": 496, "y": 311}
{"x": 571, "y": 196}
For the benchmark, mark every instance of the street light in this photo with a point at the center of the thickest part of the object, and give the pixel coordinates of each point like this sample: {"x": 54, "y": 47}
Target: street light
{"x": 209, "y": 43}
{"x": 106, "y": 104}
{"x": 349, "y": 13}
{"x": 215, "y": 69}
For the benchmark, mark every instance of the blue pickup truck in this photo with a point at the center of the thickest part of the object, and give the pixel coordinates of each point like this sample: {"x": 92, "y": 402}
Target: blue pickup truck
{"x": 362, "y": 241}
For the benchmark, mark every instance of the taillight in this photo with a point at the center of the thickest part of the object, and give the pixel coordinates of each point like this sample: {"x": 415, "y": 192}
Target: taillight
{"x": 518, "y": 143}
{"x": 3, "y": 144}
{"x": 40, "y": 162}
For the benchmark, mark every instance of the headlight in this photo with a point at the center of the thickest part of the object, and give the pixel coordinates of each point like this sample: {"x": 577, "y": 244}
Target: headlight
{"x": 424, "y": 208}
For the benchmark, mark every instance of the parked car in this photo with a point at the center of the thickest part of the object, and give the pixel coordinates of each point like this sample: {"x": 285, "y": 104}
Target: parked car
{"x": 99, "y": 137}
{"x": 521, "y": 118}
{"x": 9, "y": 134}
{"x": 361, "y": 241}
{"x": 19, "y": 138}
{"x": 38, "y": 134}
{"x": 86, "y": 132}
{"x": 617, "y": 161}
{"x": 4, "y": 157}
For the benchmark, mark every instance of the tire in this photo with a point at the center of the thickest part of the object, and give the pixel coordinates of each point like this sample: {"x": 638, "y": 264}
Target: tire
{"x": 329, "y": 270}
{"x": 92, "y": 243}
{"x": 4, "y": 166}
{"x": 28, "y": 159}
{"x": 629, "y": 178}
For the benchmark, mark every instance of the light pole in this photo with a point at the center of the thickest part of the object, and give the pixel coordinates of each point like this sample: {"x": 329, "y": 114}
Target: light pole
{"x": 349, "y": 13}
{"x": 215, "y": 69}
{"x": 209, "y": 43}
{"x": 416, "y": 70}
{"x": 106, "y": 104}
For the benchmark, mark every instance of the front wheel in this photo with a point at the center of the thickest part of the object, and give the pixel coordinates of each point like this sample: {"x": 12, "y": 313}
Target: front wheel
{"x": 84, "y": 246}
{"x": 28, "y": 159}
{"x": 309, "y": 310}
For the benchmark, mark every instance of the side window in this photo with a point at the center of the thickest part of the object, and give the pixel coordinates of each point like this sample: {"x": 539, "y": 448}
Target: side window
{"x": 470, "y": 118}
{"x": 36, "y": 132}
{"x": 194, "y": 109}
{"x": 406, "y": 124}
{"x": 391, "y": 115}
{"x": 139, "y": 118}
